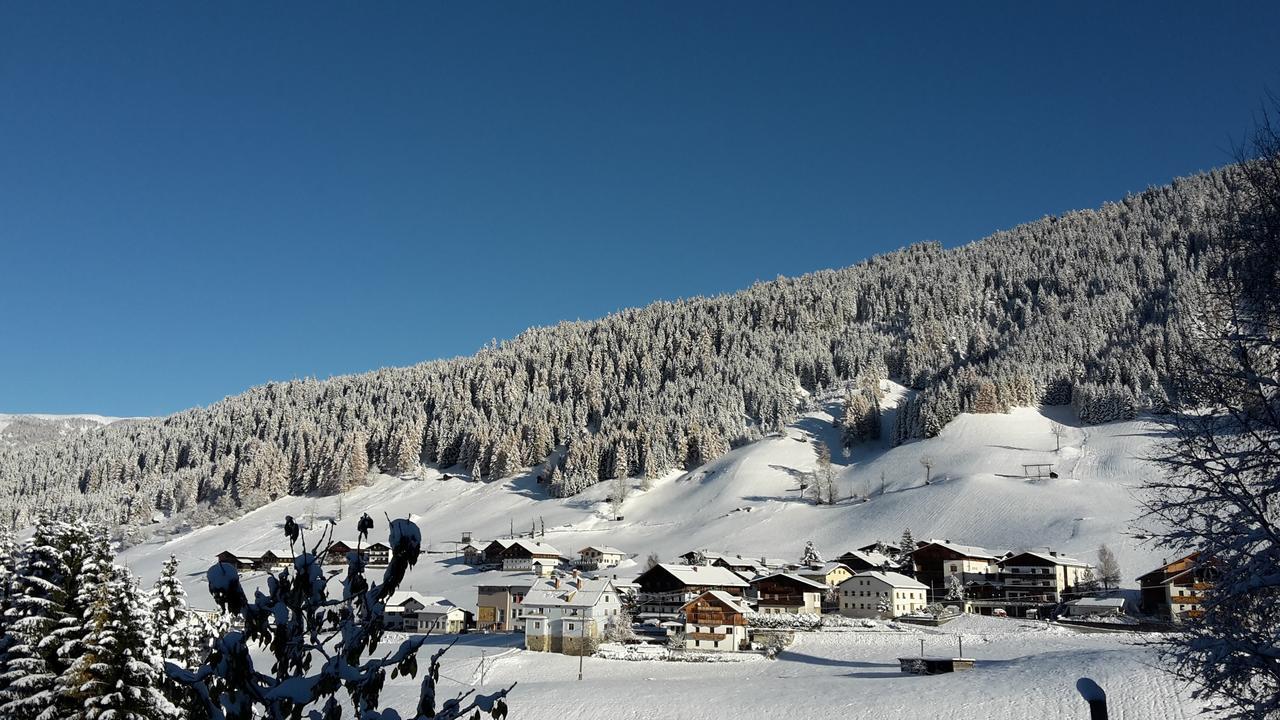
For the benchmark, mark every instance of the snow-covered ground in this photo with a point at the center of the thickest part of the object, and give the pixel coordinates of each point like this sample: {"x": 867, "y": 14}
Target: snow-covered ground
{"x": 1024, "y": 670}
{"x": 747, "y": 502}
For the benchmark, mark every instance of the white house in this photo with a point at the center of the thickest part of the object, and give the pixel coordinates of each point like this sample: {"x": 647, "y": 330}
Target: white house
{"x": 880, "y": 594}
{"x": 595, "y": 557}
{"x": 568, "y": 615}
{"x": 408, "y": 611}
{"x": 715, "y": 620}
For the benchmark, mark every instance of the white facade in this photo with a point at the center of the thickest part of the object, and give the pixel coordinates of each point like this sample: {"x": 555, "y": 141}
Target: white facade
{"x": 572, "y": 608}
{"x": 864, "y": 594}
{"x": 600, "y": 556}
{"x": 407, "y": 611}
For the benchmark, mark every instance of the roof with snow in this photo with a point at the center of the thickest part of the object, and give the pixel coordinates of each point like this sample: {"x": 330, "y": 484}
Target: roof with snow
{"x": 966, "y": 550}
{"x": 544, "y": 593}
{"x": 893, "y": 579}
{"x": 701, "y": 575}
{"x": 432, "y": 604}
{"x": 602, "y": 549}
{"x": 804, "y": 581}
{"x": 735, "y": 604}
{"x": 871, "y": 558}
{"x": 1050, "y": 558}
{"x": 822, "y": 570}
{"x": 536, "y": 549}
{"x": 1108, "y": 603}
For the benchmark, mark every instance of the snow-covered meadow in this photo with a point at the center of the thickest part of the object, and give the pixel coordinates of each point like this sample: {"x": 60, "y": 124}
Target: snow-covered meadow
{"x": 1024, "y": 670}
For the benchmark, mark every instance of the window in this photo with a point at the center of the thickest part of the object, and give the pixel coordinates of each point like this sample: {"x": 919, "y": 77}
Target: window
{"x": 570, "y": 626}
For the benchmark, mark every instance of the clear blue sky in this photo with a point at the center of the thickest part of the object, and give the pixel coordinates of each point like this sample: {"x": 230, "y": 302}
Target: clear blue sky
{"x": 200, "y": 197}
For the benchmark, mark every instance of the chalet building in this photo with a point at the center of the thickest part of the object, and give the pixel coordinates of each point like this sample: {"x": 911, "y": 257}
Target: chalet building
{"x": 411, "y": 612}
{"x": 498, "y": 605}
{"x": 664, "y": 588}
{"x": 568, "y": 615}
{"x": 745, "y": 567}
{"x": 882, "y": 594}
{"x": 784, "y": 593}
{"x": 472, "y": 552}
{"x": 882, "y": 548}
{"x": 936, "y": 560}
{"x": 239, "y": 560}
{"x": 715, "y": 620}
{"x": 862, "y": 560}
{"x": 830, "y": 574}
{"x": 378, "y": 553}
{"x": 493, "y": 551}
{"x": 595, "y": 557}
{"x": 1041, "y": 576}
{"x": 1174, "y": 590}
{"x": 523, "y": 555}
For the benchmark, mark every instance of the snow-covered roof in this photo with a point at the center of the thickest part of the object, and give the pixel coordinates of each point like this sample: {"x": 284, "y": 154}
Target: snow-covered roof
{"x": 802, "y": 580}
{"x": 602, "y": 549}
{"x": 1051, "y": 558}
{"x": 432, "y": 604}
{"x": 892, "y": 579}
{"x": 967, "y": 550}
{"x": 871, "y": 558}
{"x": 734, "y": 603}
{"x": 704, "y": 575}
{"x": 822, "y": 570}
{"x": 537, "y": 549}
{"x": 1098, "y": 602}
{"x": 544, "y": 593}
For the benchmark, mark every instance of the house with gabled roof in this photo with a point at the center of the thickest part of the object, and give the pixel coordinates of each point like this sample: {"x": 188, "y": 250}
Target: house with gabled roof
{"x": 524, "y": 555}
{"x": 785, "y": 593}
{"x": 1175, "y": 590}
{"x": 830, "y": 574}
{"x": 412, "y": 612}
{"x": 1041, "y": 576}
{"x": 665, "y": 588}
{"x": 568, "y": 615}
{"x": 715, "y": 621}
{"x": 882, "y": 594}
{"x": 493, "y": 551}
{"x": 936, "y": 560}
{"x": 594, "y": 557}
{"x": 859, "y": 560}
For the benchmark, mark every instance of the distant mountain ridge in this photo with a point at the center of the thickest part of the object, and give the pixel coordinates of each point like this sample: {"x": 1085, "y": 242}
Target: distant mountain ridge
{"x": 31, "y": 428}
{"x": 1081, "y": 308}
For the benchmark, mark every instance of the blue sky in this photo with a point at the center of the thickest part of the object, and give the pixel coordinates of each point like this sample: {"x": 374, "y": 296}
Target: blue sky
{"x": 198, "y": 198}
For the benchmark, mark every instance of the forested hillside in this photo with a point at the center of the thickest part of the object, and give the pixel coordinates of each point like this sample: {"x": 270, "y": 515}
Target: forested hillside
{"x": 1074, "y": 309}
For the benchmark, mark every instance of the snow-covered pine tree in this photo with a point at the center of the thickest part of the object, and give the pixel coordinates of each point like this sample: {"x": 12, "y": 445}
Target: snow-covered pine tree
{"x": 117, "y": 677}
{"x": 906, "y": 565}
{"x": 55, "y": 582}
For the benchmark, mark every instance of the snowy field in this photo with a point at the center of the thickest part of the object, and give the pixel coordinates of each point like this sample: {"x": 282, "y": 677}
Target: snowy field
{"x": 748, "y": 502}
{"x": 1024, "y": 670}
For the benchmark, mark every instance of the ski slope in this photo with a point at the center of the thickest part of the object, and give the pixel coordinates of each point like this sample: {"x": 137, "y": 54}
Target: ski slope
{"x": 748, "y": 502}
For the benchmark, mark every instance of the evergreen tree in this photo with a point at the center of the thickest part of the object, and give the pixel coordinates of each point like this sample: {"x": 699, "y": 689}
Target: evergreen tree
{"x": 117, "y": 676}
{"x": 906, "y": 565}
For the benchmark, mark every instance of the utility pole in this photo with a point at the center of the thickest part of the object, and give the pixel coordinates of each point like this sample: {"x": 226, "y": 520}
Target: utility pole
{"x": 582, "y": 646}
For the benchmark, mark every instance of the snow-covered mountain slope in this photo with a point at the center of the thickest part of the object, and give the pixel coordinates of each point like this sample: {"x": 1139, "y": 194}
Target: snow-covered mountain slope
{"x": 748, "y": 502}
{"x": 22, "y": 429}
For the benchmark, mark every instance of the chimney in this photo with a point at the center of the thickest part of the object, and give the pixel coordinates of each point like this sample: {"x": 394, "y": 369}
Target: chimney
{"x": 556, "y": 583}
{"x": 579, "y": 583}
